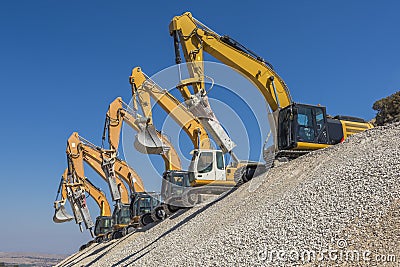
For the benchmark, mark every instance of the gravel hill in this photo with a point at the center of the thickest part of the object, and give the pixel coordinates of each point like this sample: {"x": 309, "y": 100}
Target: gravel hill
{"x": 339, "y": 205}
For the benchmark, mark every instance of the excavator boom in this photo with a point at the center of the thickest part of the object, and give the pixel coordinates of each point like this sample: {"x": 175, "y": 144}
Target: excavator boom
{"x": 98, "y": 196}
{"x": 118, "y": 112}
{"x": 195, "y": 38}
{"x": 72, "y": 188}
{"x": 77, "y": 153}
{"x": 143, "y": 88}
{"x": 94, "y": 156}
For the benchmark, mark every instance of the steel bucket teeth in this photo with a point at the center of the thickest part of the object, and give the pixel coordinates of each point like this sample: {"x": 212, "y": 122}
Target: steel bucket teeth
{"x": 61, "y": 215}
{"x": 148, "y": 142}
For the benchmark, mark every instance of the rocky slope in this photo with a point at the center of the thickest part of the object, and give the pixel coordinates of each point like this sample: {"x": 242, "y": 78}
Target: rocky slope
{"x": 340, "y": 205}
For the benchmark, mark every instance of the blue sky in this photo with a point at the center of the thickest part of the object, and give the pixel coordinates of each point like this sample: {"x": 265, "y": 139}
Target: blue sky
{"x": 62, "y": 63}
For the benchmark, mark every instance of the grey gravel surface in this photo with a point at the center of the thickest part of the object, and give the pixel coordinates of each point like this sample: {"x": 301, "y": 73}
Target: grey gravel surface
{"x": 339, "y": 205}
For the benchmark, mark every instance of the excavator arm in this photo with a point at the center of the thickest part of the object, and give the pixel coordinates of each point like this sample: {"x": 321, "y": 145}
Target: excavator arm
{"x": 118, "y": 112}
{"x": 93, "y": 155}
{"x": 143, "y": 88}
{"x": 77, "y": 154}
{"x": 99, "y": 197}
{"x": 66, "y": 189}
{"x": 195, "y": 38}
{"x": 127, "y": 216}
{"x": 95, "y": 192}
{"x": 122, "y": 169}
{"x": 105, "y": 163}
{"x": 72, "y": 189}
{"x": 103, "y": 221}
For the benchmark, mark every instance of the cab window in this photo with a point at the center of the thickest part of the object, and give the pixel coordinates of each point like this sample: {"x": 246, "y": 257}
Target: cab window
{"x": 178, "y": 180}
{"x": 220, "y": 160}
{"x": 205, "y": 162}
{"x": 306, "y": 131}
{"x": 319, "y": 118}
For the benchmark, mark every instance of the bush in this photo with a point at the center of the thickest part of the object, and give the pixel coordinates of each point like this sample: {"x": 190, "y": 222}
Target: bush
{"x": 388, "y": 109}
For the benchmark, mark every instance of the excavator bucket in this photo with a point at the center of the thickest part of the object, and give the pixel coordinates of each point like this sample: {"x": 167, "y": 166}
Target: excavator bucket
{"x": 148, "y": 142}
{"x": 61, "y": 215}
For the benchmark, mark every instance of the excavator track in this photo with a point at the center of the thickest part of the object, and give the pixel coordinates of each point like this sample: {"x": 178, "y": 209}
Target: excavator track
{"x": 291, "y": 154}
{"x": 245, "y": 173}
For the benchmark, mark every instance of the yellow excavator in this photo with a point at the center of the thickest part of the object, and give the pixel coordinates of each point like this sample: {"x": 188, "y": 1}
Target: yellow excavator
{"x": 118, "y": 113}
{"x": 80, "y": 150}
{"x": 103, "y": 224}
{"x": 300, "y": 128}
{"x": 178, "y": 188}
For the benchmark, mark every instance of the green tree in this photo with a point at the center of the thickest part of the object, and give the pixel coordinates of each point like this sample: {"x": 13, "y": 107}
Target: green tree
{"x": 388, "y": 109}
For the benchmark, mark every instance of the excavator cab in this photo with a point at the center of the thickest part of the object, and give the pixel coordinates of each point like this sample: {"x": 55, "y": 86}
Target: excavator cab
{"x": 103, "y": 225}
{"x": 206, "y": 165}
{"x": 144, "y": 203}
{"x": 142, "y": 206}
{"x": 185, "y": 189}
{"x": 173, "y": 185}
{"x": 121, "y": 215}
{"x": 306, "y": 127}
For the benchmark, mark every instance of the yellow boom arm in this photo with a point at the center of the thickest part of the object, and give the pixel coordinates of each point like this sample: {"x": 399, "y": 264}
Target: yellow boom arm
{"x": 117, "y": 114}
{"x": 94, "y": 156}
{"x": 195, "y": 38}
{"x": 98, "y": 196}
{"x": 143, "y": 88}
{"x": 122, "y": 169}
